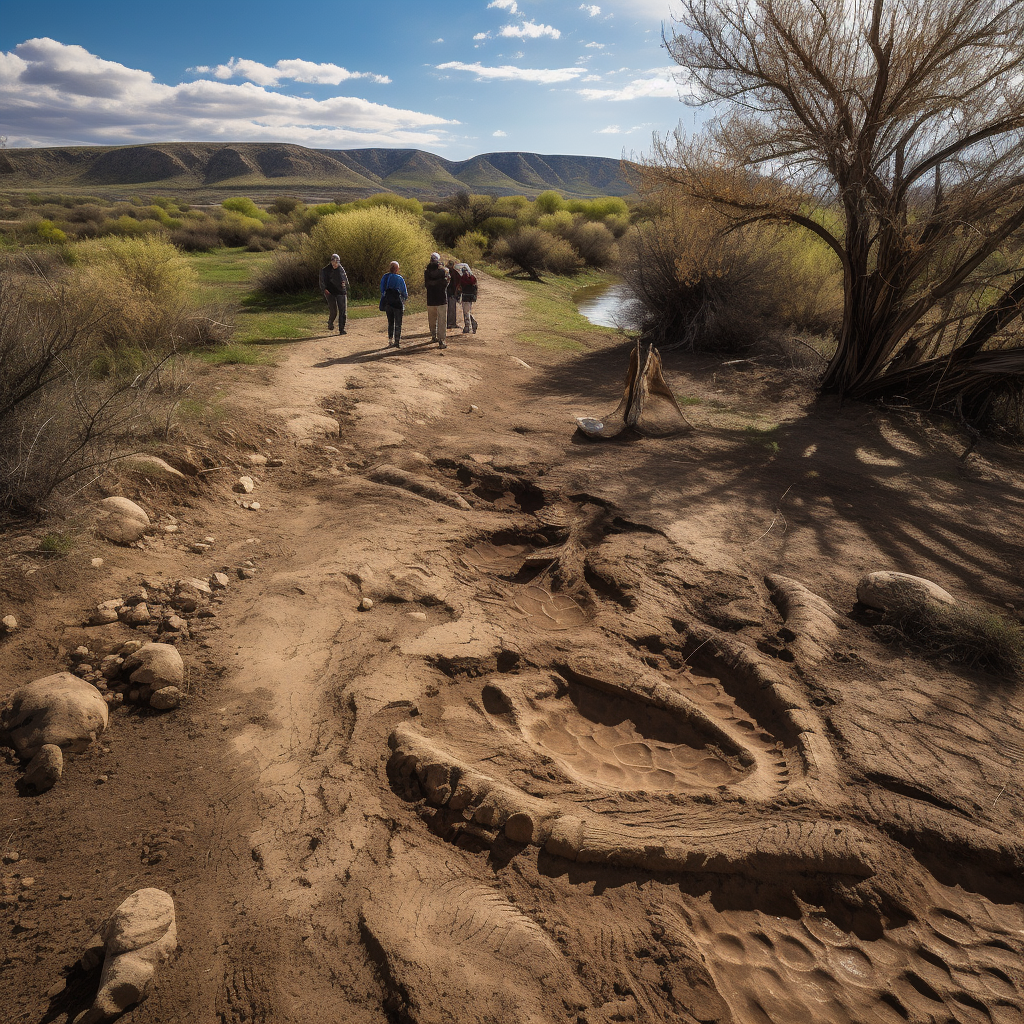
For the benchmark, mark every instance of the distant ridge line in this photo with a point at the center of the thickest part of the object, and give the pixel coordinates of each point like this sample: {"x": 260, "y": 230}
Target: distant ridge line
{"x": 273, "y": 168}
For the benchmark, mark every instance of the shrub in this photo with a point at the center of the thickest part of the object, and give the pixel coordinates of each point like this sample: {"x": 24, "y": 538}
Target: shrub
{"x": 533, "y": 250}
{"x": 237, "y": 229}
{"x": 557, "y": 223}
{"x": 598, "y": 209}
{"x": 285, "y": 205}
{"x": 470, "y": 247}
{"x": 367, "y": 241}
{"x": 244, "y": 206}
{"x": 594, "y": 242}
{"x": 288, "y": 274}
{"x": 446, "y": 227}
{"x": 497, "y": 227}
{"x": 549, "y": 202}
{"x": 196, "y": 238}
{"x": 699, "y": 288}
{"x": 47, "y": 231}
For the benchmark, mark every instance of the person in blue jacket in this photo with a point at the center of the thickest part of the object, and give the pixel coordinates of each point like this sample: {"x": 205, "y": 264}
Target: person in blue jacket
{"x": 393, "y": 297}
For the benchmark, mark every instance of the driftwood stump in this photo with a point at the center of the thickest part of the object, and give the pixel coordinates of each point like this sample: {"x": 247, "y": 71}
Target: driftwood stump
{"x": 647, "y": 405}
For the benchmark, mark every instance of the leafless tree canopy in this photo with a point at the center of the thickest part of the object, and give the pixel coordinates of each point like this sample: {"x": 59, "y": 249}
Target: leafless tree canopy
{"x": 892, "y": 129}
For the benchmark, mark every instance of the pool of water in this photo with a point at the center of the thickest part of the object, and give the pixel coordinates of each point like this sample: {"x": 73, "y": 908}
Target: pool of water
{"x": 606, "y": 305}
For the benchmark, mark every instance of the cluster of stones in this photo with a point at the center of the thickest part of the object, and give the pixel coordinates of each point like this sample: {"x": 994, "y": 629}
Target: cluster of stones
{"x": 165, "y": 608}
{"x": 142, "y": 673}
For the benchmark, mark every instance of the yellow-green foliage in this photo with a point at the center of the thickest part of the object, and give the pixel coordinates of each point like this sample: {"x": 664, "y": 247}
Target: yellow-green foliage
{"x": 47, "y": 231}
{"x": 470, "y": 247}
{"x": 132, "y": 290}
{"x": 548, "y": 202}
{"x": 598, "y": 209}
{"x": 367, "y": 241}
{"x": 246, "y": 207}
{"x": 559, "y": 223}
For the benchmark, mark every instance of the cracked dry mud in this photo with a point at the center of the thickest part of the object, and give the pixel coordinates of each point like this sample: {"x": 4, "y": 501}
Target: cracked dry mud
{"x": 626, "y": 759}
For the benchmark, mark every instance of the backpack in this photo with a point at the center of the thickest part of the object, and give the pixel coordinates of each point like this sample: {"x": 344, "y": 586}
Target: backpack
{"x": 392, "y": 298}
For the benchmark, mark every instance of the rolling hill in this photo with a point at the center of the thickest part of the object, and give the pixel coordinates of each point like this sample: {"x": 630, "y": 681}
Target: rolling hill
{"x": 264, "y": 169}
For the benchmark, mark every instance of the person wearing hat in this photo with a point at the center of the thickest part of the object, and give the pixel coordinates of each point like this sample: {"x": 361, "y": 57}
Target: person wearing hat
{"x": 435, "y": 277}
{"x": 334, "y": 285}
{"x": 453, "y": 295}
{"x": 468, "y": 293}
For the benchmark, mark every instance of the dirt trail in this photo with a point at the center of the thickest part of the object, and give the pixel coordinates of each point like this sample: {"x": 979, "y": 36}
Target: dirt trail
{"x": 570, "y": 766}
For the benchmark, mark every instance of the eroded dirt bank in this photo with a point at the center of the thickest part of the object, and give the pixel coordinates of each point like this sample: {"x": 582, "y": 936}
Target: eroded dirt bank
{"x": 572, "y": 764}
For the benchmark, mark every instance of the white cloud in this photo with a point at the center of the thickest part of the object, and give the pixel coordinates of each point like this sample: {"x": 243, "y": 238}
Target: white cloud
{"x": 506, "y": 5}
{"x": 595, "y": 46}
{"x": 661, "y": 84}
{"x": 57, "y": 94}
{"x": 438, "y": 40}
{"x": 530, "y": 30}
{"x": 510, "y": 73}
{"x": 297, "y": 70}
{"x": 591, "y": 78}
{"x": 499, "y": 134}
{"x": 592, "y": 9}
{"x": 481, "y": 35}
{"x": 612, "y": 129}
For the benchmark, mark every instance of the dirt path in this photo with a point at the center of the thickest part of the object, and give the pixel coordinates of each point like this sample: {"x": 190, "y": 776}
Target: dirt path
{"x": 569, "y": 766}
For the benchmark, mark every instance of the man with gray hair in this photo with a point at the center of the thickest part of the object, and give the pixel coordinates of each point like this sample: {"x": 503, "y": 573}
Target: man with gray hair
{"x": 334, "y": 285}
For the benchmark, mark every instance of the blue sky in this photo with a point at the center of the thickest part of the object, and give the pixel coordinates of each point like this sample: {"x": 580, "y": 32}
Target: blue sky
{"x": 453, "y": 78}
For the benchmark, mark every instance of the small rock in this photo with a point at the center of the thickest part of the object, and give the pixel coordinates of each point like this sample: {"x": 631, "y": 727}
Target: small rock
{"x": 139, "y": 936}
{"x": 110, "y": 666}
{"x": 244, "y": 485}
{"x": 418, "y": 616}
{"x": 199, "y": 549}
{"x": 27, "y": 883}
{"x": 275, "y": 463}
{"x": 137, "y": 596}
{"x": 8, "y": 624}
{"x": 174, "y": 624}
{"x": 219, "y": 581}
{"x": 331, "y": 450}
{"x": 97, "y": 563}
{"x": 103, "y": 617}
{"x": 474, "y": 408}
{"x": 65, "y": 896}
{"x": 11, "y": 857}
{"x": 257, "y": 460}
{"x": 130, "y": 647}
{"x": 171, "y": 528}
{"x": 139, "y": 616}
{"x": 246, "y": 574}
{"x": 209, "y": 540}
{"x": 100, "y": 779}
{"x": 114, "y": 700}
{"x": 121, "y": 520}
{"x": 156, "y": 666}
{"x": 45, "y": 769}
{"x": 519, "y": 362}
{"x": 165, "y": 698}
{"x": 133, "y": 695}
{"x": 207, "y": 613}
{"x": 366, "y": 604}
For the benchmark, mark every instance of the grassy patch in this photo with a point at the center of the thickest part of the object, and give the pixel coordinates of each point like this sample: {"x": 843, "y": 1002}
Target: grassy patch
{"x": 236, "y": 353}
{"x": 57, "y": 545}
{"x": 554, "y": 321}
{"x": 762, "y": 437}
{"x": 964, "y": 633}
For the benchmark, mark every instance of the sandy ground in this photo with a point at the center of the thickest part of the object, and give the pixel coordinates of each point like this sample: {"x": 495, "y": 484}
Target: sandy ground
{"x": 572, "y": 765}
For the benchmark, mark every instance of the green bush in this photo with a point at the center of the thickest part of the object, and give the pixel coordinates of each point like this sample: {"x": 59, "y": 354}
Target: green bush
{"x": 498, "y": 227}
{"x": 471, "y": 246}
{"x": 47, "y": 231}
{"x": 285, "y": 205}
{"x": 532, "y": 250}
{"x": 548, "y": 202}
{"x": 237, "y": 229}
{"x": 367, "y": 241}
{"x": 446, "y": 227}
{"x": 598, "y": 209}
{"x": 593, "y": 241}
{"x": 244, "y": 206}
{"x": 559, "y": 223}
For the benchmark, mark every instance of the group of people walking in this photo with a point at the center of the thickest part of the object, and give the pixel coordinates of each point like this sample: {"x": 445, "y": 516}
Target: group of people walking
{"x": 448, "y": 287}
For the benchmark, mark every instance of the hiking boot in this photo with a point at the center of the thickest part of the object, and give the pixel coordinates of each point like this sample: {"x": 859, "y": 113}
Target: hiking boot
{"x": 330, "y": 326}
{"x": 467, "y": 330}
{"x": 474, "y": 326}
{"x": 442, "y": 344}
{"x": 341, "y": 330}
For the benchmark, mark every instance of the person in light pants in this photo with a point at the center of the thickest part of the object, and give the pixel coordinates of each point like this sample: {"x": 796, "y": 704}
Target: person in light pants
{"x": 468, "y": 290}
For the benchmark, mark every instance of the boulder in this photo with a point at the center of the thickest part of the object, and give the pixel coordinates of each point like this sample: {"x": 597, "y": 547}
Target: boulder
{"x": 244, "y": 485}
{"x": 139, "y": 615}
{"x": 165, "y": 698}
{"x": 9, "y": 624}
{"x": 899, "y": 594}
{"x": 43, "y": 772}
{"x": 121, "y": 520}
{"x": 219, "y": 581}
{"x": 156, "y": 666}
{"x": 138, "y": 937}
{"x": 151, "y": 466}
{"x": 60, "y": 709}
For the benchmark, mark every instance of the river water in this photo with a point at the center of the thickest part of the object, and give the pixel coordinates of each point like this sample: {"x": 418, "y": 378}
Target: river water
{"x": 606, "y": 305}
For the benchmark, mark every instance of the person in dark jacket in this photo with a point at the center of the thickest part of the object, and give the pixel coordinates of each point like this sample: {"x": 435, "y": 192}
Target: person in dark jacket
{"x": 453, "y": 296}
{"x": 435, "y": 277}
{"x": 393, "y": 297}
{"x": 334, "y": 285}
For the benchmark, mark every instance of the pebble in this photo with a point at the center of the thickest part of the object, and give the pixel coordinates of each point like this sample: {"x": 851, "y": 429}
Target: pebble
{"x": 418, "y": 616}
{"x": 27, "y": 883}
{"x": 97, "y": 562}
{"x": 12, "y": 857}
{"x": 209, "y": 540}
{"x": 245, "y": 485}
{"x": 200, "y": 549}
{"x": 246, "y": 574}
{"x": 170, "y": 528}
{"x": 275, "y": 463}
{"x": 10, "y": 623}
{"x": 218, "y": 581}
{"x": 100, "y": 779}
{"x": 66, "y": 895}
{"x": 366, "y": 604}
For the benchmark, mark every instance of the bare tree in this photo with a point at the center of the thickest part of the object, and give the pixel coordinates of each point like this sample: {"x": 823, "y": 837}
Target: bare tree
{"x": 892, "y": 130}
